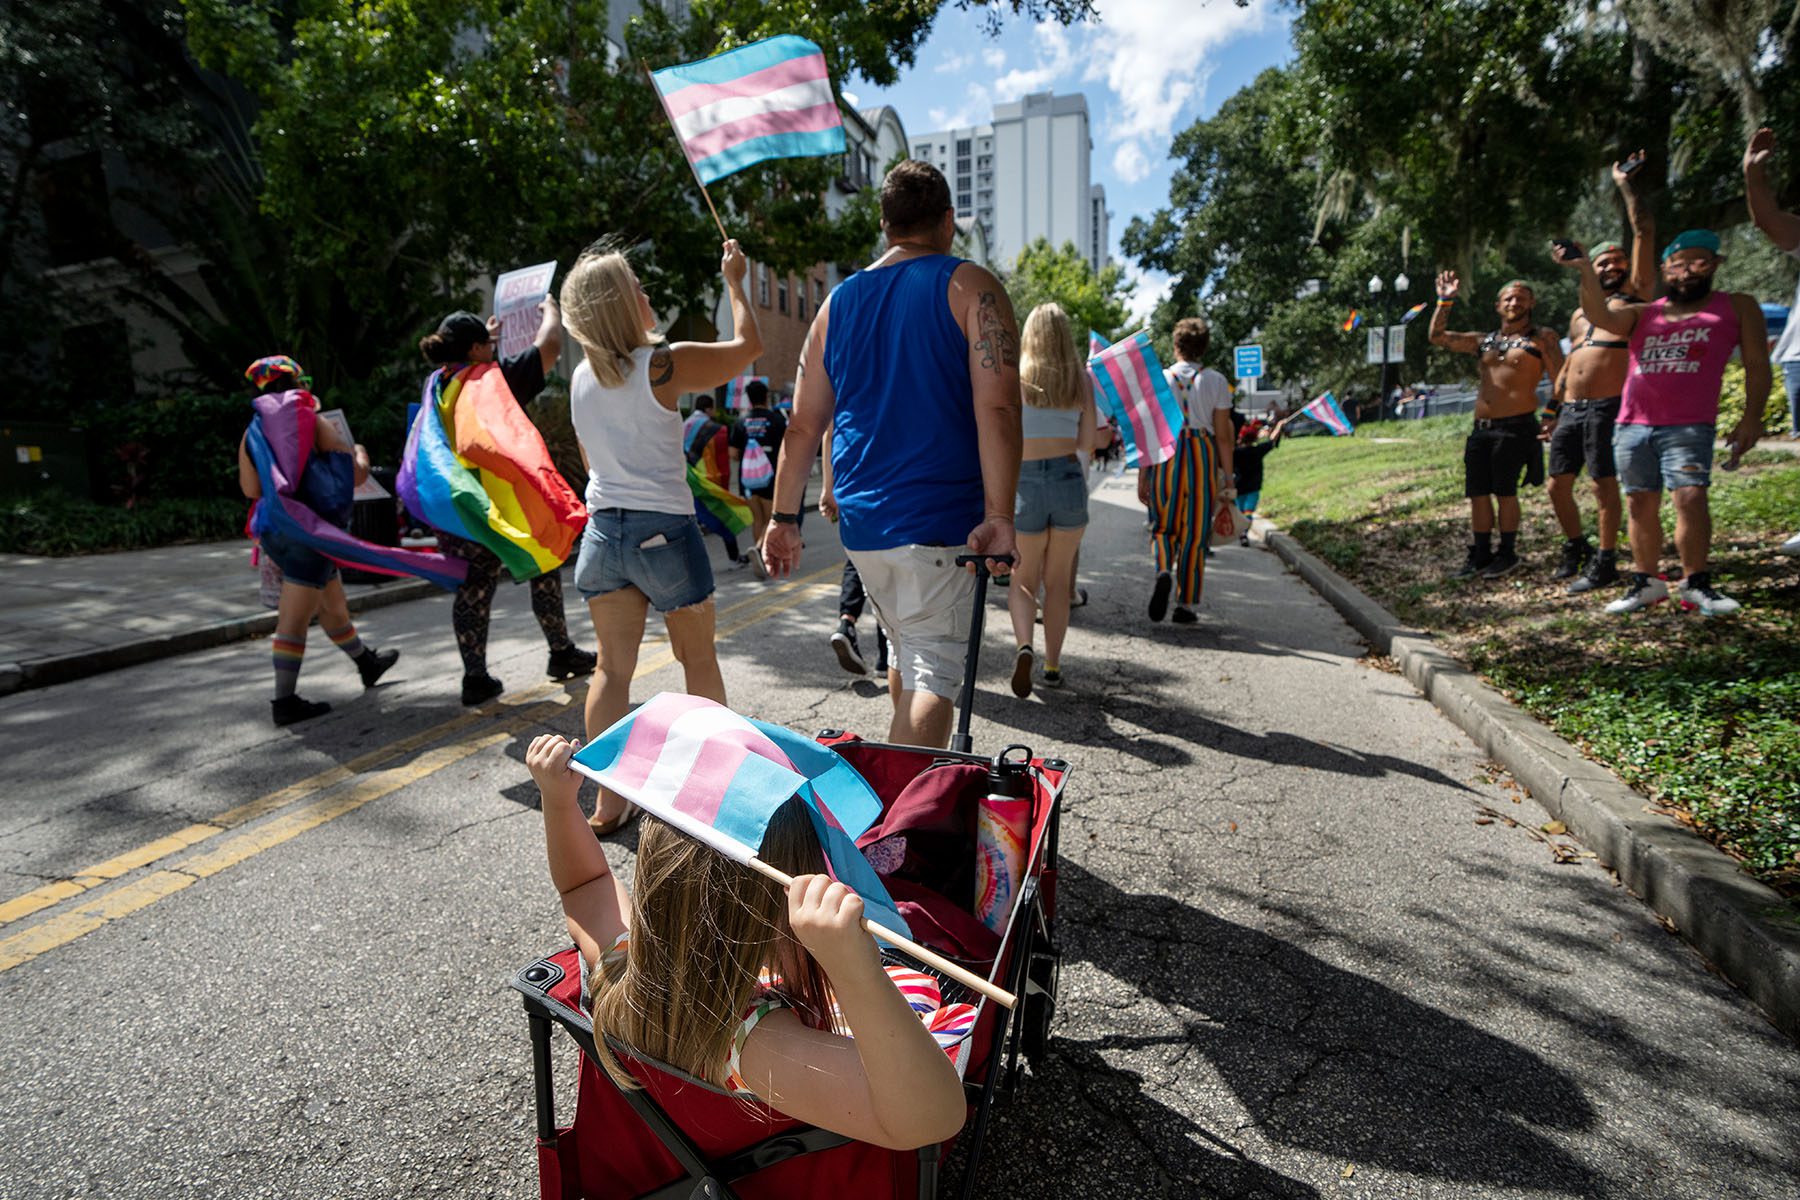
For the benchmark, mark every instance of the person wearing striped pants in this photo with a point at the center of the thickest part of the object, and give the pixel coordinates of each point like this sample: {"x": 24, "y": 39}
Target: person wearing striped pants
{"x": 1182, "y": 492}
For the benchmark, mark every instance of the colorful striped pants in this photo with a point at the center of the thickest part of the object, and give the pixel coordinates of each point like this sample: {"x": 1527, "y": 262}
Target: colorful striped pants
{"x": 1181, "y": 508}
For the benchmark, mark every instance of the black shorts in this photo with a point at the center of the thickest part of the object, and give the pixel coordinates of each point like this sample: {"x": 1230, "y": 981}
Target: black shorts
{"x": 762, "y": 493}
{"x": 1498, "y": 453}
{"x": 1584, "y": 437}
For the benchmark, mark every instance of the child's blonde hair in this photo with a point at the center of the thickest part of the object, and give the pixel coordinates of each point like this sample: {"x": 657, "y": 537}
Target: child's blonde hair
{"x": 1049, "y": 367}
{"x": 702, "y": 930}
{"x": 600, "y": 309}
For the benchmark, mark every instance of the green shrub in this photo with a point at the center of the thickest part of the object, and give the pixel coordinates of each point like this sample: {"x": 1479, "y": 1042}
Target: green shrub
{"x": 54, "y": 524}
{"x": 1731, "y": 402}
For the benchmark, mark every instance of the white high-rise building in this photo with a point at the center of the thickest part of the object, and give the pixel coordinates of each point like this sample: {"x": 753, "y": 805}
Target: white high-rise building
{"x": 1027, "y": 175}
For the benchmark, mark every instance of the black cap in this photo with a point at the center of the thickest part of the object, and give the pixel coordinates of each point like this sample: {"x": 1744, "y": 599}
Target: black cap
{"x": 464, "y": 327}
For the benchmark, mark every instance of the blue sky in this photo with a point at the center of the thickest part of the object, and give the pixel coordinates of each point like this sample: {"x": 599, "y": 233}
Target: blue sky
{"x": 1149, "y": 68}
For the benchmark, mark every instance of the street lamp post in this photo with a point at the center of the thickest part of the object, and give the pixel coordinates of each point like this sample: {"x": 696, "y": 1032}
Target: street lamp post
{"x": 1376, "y": 287}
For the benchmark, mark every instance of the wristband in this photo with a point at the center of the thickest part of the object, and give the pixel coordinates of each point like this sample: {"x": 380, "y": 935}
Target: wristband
{"x": 1446, "y": 302}
{"x": 782, "y": 518}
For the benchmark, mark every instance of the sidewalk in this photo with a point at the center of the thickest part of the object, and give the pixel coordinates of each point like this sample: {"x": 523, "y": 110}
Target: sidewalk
{"x": 65, "y": 618}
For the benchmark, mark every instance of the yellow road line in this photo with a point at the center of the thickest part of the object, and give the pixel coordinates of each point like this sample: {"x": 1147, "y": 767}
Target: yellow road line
{"x": 67, "y": 926}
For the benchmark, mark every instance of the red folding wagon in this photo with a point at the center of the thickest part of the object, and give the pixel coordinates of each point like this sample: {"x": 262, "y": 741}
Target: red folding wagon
{"x": 681, "y": 1137}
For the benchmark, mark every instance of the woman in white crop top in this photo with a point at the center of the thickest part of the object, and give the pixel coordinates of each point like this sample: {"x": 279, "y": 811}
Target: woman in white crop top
{"x": 642, "y": 546}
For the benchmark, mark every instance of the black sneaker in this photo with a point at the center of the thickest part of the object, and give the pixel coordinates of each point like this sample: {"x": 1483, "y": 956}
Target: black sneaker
{"x": 1184, "y": 616}
{"x": 1159, "y": 595}
{"x": 1209, "y": 552}
{"x": 1576, "y": 554}
{"x": 849, "y": 654}
{"x": 569, "y": 663}
{"x": 289, "y": 709}
{"x": 373, "y": 664}
{"x": 1476, "y": 560}
{"x": 1602, "y": 571}
{"x": 479, "y": 689}
{"x": 1502, "y": 563}
{"x": 1021, "y": 676}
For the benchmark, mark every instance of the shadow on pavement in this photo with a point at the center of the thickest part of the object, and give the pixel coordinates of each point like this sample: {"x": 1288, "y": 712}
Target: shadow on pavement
{"x": 1326, "y": 1060}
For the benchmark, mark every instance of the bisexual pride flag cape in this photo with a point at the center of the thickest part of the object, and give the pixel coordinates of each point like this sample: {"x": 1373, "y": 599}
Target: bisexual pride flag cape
{"x": 719, "y": 777}
{"x": 280, "y": 444}
{"x": 477, "y": 468}
{"x": 770, "y": 99}
{"x": 1327, "y": 412}
{"x": 1129, "y": 384}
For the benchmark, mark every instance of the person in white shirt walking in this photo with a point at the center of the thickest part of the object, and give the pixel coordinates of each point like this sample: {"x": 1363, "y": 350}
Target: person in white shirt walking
{"x": 1182, "y": 492}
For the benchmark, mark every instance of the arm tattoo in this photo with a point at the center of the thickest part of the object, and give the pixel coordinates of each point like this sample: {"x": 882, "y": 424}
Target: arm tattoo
{"x": 997, "y": 343}
{"x": 662, "y": 366}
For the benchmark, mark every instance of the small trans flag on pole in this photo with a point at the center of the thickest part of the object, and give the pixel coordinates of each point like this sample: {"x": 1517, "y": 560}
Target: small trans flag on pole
{"x": 737, "y": 391}
{"x": 1129, "y": 384}
{"x": 770, "y": 99}
{"x": 1326, "y": 411}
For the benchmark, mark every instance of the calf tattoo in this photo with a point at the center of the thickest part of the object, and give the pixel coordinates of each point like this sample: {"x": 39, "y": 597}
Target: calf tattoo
{"x": 997, "y": 343}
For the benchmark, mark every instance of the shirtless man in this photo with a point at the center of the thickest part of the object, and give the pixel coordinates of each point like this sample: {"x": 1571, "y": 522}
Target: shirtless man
{"x": 1679, "y": 347}
{"x": 1586, "y": 404}
{"x": 1504, "y": 443}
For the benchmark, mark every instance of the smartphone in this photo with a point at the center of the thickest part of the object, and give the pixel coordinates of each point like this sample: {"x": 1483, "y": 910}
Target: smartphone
{"x": 1630, "y": 165}
{"x": 653, "y": 541}
{"x": 1569, "y": 250}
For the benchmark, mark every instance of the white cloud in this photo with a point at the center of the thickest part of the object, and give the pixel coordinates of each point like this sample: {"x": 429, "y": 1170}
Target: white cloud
{"x": 977, "y": 108}
{"x": 953, "y": 64}
{"x": 1129, "y": 162}
{"x": 1153, "y": 55}
{"x": 994, "y": 57}
{"x": 851, "y": 98}
{"x": 1149, "y": 289}
{"x": 1054, "y": 57}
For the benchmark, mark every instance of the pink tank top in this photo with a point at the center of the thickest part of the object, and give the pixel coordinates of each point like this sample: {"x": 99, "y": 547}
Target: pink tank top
{"x": 1677, "y": 364}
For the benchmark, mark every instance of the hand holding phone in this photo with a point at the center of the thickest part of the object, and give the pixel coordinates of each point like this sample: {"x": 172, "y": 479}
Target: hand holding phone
{"x": 1567, "y": 251}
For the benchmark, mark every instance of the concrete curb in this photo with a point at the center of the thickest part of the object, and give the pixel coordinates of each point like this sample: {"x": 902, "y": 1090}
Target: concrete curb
{"x": 45, "y": 672}
{"x": 1746, "y": 930}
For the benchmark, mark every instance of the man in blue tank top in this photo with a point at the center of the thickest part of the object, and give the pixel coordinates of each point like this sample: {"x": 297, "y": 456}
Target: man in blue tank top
{"x": 914, "y": 363}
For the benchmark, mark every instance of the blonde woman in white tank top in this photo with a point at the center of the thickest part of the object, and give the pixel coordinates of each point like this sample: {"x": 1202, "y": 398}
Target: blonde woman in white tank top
{"x": 642, "y": 546}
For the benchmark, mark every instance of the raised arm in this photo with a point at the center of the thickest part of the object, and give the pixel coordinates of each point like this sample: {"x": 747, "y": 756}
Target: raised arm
{"x": 986, "y": 316}
{"x": 550, "y": 334}
{"x": 1643, "y": 235}
{"x": 1441, "y": 335}
{"x": 594, "y": 902}
{"x": 702, "y": 366}
{"x": 1617, "y": 318}
{"x": 1782, "y": 228}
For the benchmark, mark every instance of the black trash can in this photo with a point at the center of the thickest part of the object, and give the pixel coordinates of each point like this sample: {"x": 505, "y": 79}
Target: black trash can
{"x": 376, "y": 521}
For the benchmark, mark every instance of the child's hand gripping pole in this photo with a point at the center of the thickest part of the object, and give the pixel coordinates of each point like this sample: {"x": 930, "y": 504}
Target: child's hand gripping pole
{"x": 930, "y": 958}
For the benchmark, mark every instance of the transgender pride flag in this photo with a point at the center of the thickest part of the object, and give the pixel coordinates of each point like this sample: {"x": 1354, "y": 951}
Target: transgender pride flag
{"x": 719, "y": 777}
{"x": 737, "y": 391}
{"x": 770, "y": 99}
{"x": 1129, "y": 383}
{"x": 1326, "y": 411}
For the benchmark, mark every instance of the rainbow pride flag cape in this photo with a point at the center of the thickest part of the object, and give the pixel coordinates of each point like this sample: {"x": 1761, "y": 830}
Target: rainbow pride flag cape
{"x": 477, "y": 468}
{"x": 718, "y": 510}
{"x": 280, "y": 444}
{"x": 770, "y": 99}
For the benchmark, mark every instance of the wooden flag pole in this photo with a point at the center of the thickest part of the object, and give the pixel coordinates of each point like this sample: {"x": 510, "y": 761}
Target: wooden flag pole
{"x": 967, "y": 978}
{"x": 663, "y": 100}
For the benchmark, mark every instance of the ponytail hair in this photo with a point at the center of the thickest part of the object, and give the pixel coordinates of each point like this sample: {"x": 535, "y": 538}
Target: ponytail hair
{"x": 455, "y": 336}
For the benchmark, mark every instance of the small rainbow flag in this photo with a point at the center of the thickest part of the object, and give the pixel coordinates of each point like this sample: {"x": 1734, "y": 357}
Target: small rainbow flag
{"x": 717, "y": 510}
{"x": 1327, "y": 412}
{"x": 477, "y": 468}
{"x": 1353, "y": 321}
{"x": 1412, "y": 313}
{"x": 770, "y": 99}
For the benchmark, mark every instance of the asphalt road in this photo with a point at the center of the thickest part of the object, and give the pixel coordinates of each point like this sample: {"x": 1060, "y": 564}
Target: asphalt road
{"x": 237, "y": 961}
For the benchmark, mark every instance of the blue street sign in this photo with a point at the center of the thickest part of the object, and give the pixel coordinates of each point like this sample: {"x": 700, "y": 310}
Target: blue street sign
{"x": 1249, "y": 362}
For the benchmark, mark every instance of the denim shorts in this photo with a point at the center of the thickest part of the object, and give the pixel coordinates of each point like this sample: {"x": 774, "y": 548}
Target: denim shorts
{"x": 1052, "y": 493}
{"x": 1659, "y": 458}
{"x": 299, "y": 564}
{"x": 662, "y": 555}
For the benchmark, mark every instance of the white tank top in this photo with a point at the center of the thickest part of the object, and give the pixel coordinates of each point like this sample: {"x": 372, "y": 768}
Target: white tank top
{"x": 633, "y": 444}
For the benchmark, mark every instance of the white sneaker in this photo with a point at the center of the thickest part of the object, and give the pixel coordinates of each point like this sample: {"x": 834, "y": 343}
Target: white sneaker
{"x": 1790, "y": 547}
{"x": 1645, "y": 591}
{"x": 1697, "y": 593}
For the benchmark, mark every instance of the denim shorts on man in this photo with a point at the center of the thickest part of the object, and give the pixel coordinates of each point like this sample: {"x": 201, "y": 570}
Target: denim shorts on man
{"x": 1052, "y": 495}
{"x": 662, "y": 555}
{"x": 299, "y": 564}
{"x": 1661, "y": 458}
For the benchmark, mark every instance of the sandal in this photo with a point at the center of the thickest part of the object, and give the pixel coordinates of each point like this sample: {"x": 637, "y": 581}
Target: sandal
{"x": 608, "y": 828}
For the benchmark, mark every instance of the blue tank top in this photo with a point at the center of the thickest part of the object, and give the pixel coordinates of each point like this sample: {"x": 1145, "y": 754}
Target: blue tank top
{"x": 905, "y": 464}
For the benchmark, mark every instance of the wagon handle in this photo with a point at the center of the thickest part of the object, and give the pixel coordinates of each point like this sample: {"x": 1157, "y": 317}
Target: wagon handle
{"x": 962, "y": 743}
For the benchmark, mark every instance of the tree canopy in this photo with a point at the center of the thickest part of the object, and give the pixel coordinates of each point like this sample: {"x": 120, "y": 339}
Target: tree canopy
{"x": 1062, "y": 275}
